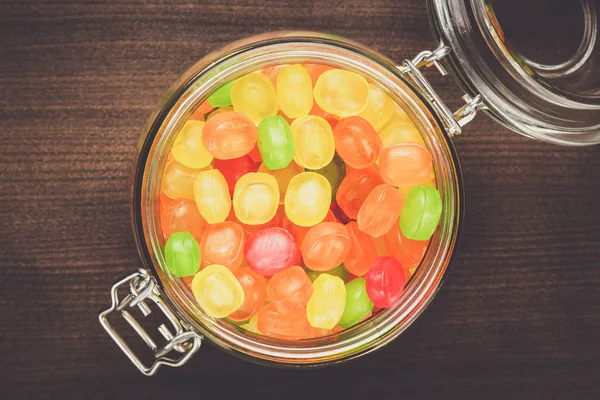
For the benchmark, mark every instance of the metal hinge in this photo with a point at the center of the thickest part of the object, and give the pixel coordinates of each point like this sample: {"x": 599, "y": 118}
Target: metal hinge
{"x": 453, "y": 121}
{"x": 183, "y": 340}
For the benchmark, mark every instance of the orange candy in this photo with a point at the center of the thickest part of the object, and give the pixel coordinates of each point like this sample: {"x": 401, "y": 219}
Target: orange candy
{"x": 202, "y": 110}
{"x": 319, "y": 112}
{"x": 254, "y": 287}
{"x": 380, "y": 246}
{"x": 315, "y": 71}
{"x": 356, "y": 142}
{"x": 405, "y": 164}
{"x": 362, "y": 251}
{"x": 180, "y": 215}
{"x": 223, "y": 244}
{"x": 408, "y": 252}
{"x": 229, "y": 135}
{"x": 292, "y": 326}
{"x": 289, "y": 289}
{"x": 188, "y": 281}
{"x": 380, "y": 211}
{"x": 318, "y": 332}
{"x": 272, "y": 72}
{"x": 354, "y": 189}
{"x": 299, "y": 232}
{"x": 325, "y": 246}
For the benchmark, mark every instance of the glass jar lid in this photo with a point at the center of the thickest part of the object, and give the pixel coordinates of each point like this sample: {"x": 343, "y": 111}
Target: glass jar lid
{"x": 538, "y": 71}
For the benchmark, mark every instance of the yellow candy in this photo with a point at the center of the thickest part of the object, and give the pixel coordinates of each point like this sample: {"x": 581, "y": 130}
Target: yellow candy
{"x": 217, "y": 291}
{"x": 256, "y": 198}
{"x": 405, "y": 190}
{"x": 282, "y": 176}
{"x": 178, "y": 180}
{"x": 314, "y": 145}
{"x": 252, "y": 325}
{"x": 188, "y": 148}
{"x": 341, "y": 93}
{"x": 254, "y": 95}
{"x": 294, "y": 91}
{"x": 212, "y": 196}
{"x": 326, "y": 304}
{"x": 412, "y": 270}
{"x": 307, "y": 199}
{"x": 401, "y": 132}
{"x": 398, "y": 115}
{"x": 379, "y": 109}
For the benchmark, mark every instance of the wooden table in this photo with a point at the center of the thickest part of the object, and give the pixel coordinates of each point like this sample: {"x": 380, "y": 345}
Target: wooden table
{"x": 518, "y": 316}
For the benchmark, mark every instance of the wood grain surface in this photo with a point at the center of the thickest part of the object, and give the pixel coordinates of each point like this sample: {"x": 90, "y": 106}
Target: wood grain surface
{"x": 517, "y": 318}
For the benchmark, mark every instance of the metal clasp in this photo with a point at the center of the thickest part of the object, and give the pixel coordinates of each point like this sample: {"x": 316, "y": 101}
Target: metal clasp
{"x": 453, "y": 122}
{"x": 183, "y": 340}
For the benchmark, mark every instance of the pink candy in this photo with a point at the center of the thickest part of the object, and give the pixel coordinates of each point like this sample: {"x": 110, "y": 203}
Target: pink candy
{"x": 271, "y": 250}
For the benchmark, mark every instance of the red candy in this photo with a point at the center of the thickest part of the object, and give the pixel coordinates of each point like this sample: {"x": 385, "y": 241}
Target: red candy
{"x": 234, "y": 169}
{"x": 255, "y": 155}
{"x": 290, "y": 289}
{"x": 385, "y": 282}
{"x": 340, "y": 215}
{"x": 362, "y": 252}
{"x": 271, "y": 250}
{"x": 325, "y": 246}
{"x": 254, "y": 287}
{"x": 354, "y": 189}
{"x": 180, "y": 215}
{"x": 356, "y": 142}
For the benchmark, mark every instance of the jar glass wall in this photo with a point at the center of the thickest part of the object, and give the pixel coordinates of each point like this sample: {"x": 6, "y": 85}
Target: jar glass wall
{"x": 239, "y": 59}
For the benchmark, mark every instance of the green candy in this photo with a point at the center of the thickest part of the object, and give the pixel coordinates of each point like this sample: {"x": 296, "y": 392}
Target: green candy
{"x": 421, "y": 213}
{"x": 340, "y": 271}
{"x": 358, "y": 305}
{"x": 334, "y": 172}
{"x": 182, "y": 254}
{"x": 222, "y": 96}
{"x": 275, "y": 142}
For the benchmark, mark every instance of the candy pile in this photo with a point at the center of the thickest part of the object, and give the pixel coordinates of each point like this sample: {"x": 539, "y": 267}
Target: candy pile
{"x": 297, "y": 200}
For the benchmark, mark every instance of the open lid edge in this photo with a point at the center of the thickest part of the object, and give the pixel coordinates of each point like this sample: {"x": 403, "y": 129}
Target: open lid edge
{"x": 483, "y": 63}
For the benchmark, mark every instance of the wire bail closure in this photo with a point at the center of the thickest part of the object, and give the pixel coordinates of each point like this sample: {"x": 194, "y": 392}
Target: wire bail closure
{"x": 183, "y": 340}
{"x": 453, "y": 121}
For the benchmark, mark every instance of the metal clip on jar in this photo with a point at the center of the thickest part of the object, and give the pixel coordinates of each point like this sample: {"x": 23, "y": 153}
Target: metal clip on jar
{"x": 555, "y": 103}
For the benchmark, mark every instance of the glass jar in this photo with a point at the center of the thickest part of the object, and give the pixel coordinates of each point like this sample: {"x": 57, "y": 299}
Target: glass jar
{"x": 155, "y": 285}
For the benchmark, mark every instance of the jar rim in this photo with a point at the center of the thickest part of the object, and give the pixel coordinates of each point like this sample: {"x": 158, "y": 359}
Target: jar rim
{"x": 365, "y": 337}
{"x": 514, "y": 91}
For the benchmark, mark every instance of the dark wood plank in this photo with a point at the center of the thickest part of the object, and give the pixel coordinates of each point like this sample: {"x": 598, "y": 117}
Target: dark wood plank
{"x": 518, "y": 317}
